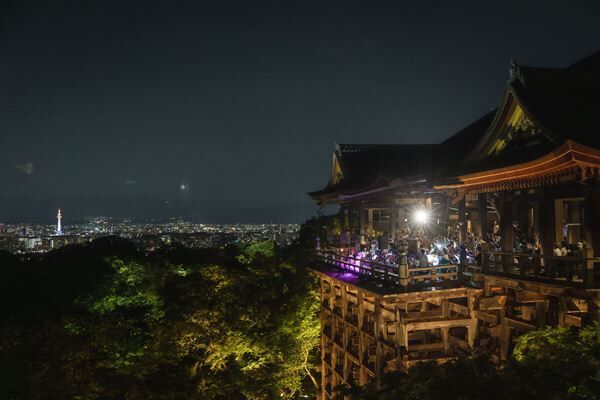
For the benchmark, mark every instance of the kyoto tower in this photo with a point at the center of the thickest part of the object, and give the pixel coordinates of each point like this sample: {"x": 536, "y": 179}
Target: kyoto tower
{"x": 58, "y": 225}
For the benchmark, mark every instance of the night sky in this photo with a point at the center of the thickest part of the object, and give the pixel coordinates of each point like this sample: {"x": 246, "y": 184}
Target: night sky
{"x": 227, "y": 111}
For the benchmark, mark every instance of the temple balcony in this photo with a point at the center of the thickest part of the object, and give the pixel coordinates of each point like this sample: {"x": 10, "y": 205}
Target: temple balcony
{"x": 566, "y": 271}
{"x": 577, "y": 272}
{"x": 386, "y": 278}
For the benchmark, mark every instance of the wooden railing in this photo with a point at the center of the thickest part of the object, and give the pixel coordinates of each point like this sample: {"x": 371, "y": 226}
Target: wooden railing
{"x": 566, "y": 271}
{"x": 387, "y": 272}
{"x": 362, "y": 267}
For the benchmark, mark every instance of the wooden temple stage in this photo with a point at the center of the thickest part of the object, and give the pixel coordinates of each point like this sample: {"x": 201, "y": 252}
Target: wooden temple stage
{"x": 514, "y": 183}
{"x": 372, "y": 325}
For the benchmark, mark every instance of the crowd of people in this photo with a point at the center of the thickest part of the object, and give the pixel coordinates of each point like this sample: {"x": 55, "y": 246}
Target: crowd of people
{"x": 428, "y": 251}
{"x": 564, "y": 249}
{"x": 423, "y": 250}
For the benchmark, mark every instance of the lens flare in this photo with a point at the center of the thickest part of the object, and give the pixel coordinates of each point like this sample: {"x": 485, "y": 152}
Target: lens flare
{"x": 421, "y": 216}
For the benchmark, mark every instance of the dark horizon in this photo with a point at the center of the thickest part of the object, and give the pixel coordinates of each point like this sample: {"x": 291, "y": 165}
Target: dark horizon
{"x": 228, "y": 111}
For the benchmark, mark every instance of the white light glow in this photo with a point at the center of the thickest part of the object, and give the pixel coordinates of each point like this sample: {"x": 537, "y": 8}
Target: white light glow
{"x": 421, "y": 216}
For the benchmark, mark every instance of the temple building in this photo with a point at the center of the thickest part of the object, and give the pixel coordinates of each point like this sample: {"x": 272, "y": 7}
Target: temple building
{"x": 440, "y": 248}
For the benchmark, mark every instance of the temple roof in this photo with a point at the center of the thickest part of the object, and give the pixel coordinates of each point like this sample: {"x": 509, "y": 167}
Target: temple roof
{"x": 363, "y": 168}
{"x": 540, "y": 110}
{"x": 568, "y": 163}
{"x": 558, "y": 104}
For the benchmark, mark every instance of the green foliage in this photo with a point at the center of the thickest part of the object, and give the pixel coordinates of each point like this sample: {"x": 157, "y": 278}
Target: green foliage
{"x": 133, "y": 285}
{"x": 555, "y": 363}
{"x": 258, "y": 253}
{"x": 213, "y": 327}
{"x": 560, "y": 363}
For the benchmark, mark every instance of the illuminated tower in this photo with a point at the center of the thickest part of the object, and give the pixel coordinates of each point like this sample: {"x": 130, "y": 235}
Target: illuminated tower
{"x": 58, "y": 225}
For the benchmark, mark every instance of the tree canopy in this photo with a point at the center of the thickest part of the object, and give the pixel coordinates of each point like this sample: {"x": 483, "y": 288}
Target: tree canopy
{"x": 97, "y": 322}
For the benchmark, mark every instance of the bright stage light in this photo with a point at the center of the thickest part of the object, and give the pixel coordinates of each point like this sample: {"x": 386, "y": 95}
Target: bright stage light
{"x": 421, "y": 216}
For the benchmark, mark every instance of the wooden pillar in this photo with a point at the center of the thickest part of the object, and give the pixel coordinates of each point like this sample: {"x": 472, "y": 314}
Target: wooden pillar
{"x": 362, "y": 380}
{"x": 483, "y": 221}
{"x": 536, "y": 220}
{"x": 562, "y": 310}
{"x": 504, "y": 337}
{"x": 343, "y": 240}
{"x": 378, "y": 348}
{"x": 445, "y": 308}
{"x": 370, "y": 224}
{"x": 506, "y": 223}
{"x": 344, "y": 300}
{"x": 446, "y": 339}
{"x": 333, "y": 364}
{"x": 363, "y": 221}
{"x": 540, "y": 314}
{"x": 462, "y": 220}
{"x": 592, "y": 218}
{"x": 546, "y": 227}
{"x": 347, "y": 364}
{"x": 474, "y": 325}
{"x": 393, "y": 221}
{"x": 593, "y": 310}
{"x": 351, "y": 225}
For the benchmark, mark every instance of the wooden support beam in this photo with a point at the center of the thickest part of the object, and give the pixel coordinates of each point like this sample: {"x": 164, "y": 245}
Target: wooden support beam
{"x": 573, "y": 320}
{"x": 426, "y": 346}
{"x": 512, "y": 283}
{"x": 368, "y": 304}
{"x": 458, "y": 308}
{"x": 487, "y": 317}
{"x": 412, "y": 316}
{"x": 416, "y": 297}
{"x": 448, "y": 323}
{"x": 492, "y": 303}
{"x": 529, "y": 296}
{"x": 519, "y": 325}
{"x": 351, "y": 297}
{"x": 458, "y": 342}
{"x": 387, "y": 314}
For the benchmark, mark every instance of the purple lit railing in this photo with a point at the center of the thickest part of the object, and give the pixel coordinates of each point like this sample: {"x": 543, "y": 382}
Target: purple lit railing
{"x": 360, "y": 266}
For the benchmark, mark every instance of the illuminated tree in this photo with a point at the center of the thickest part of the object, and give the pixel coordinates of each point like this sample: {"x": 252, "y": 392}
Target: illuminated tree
{"x": 239, "y": 325}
